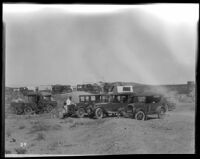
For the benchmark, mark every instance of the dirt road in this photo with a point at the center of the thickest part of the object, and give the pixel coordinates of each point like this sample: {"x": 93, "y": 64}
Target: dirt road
{"x": 44, "y": 135}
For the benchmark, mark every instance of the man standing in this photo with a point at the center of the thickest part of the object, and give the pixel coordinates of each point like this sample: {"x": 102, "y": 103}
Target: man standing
{"x": 65, "y": 111}
{"x": 67, "y": 103}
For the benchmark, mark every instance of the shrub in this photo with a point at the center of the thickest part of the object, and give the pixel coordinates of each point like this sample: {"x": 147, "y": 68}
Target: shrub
{"x": 20, "y": 150}
{"x": 54, "y": 145}
{"x": 40, "y": 126}
{"x": 21, "y": 126}
{"x": 56, "y": 127}
{"x": 75, "y": 124}
{"x": 40, "y": 136}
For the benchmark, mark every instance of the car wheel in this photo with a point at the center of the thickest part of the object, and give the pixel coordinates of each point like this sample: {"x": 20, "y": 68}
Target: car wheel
{"x": 161, "y": 113}
{"x": 28, "y": 110}
{"x": 140, "y": 115}
{"x": 19, "y": 111}
{"x": 99, "y": 113}
{"x": 80, "y": 112}
{"x": 49, "y": 108}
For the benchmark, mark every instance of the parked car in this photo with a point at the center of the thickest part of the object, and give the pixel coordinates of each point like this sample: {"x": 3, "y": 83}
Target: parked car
{"x": 109, "y": 105}
{"x": 138, "y": 106}
{"x": 34, "y": 102}
{"x": 81, "y": 108}
{"x": 144, "y": 105}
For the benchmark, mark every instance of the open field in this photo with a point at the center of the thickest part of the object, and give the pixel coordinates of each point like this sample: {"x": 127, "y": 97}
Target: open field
{"x": 45, "y": 134}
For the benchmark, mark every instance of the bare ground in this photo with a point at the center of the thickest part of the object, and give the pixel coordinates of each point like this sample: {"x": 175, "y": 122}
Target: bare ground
{"x": 45, "y": 135}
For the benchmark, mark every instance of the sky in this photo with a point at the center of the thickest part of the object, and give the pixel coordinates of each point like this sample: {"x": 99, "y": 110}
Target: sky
{"x": 71, "y": 44}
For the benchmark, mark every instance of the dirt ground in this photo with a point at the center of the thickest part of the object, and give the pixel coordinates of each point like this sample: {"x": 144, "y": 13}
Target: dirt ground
{"x": 46, "y": 134}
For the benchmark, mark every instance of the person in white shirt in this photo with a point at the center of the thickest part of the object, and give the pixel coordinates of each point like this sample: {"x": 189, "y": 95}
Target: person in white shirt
{"x": 67, "y": 103}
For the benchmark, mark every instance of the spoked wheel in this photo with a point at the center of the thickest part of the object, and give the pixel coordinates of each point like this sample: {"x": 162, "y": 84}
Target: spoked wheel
{"x": 18, "y": 111}
{"x": 99, "y": 113}
{"x": 80, "y": 112}
{"x": 161, "y": 113}
{"x": 28, "y": 110}
{"x": 48, "y": 109}
{"x": 140, "y": 115}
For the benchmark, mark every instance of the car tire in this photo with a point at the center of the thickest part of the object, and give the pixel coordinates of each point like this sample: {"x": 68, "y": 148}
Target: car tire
{"x": 18, "y": 111}
{"x": 28, "y": 110}
{"x": 49, "y": 108}
{"x": 161, "y": 113}
{"x": 80, "y": 112}
{"x": 99, "y": 113}
{"x": 140, "y": 115}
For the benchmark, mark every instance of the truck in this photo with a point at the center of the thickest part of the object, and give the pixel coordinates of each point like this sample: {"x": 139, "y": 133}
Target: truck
{"x": 41, "y": 102}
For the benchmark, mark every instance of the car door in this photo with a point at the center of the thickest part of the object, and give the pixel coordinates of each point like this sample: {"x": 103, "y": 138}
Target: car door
{"x": 140, "y": 103}
{"x": 118, "y": 102}
{"x": 105, "y": 103}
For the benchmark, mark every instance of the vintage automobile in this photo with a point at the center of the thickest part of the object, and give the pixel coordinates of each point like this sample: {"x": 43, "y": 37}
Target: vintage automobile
{"x": 81, "y": 108}
{"x": 109, "y": 105}
{"x": 137, "y": 106}
{"x": 34, "y": 103}
{"x": 143, "y": 105}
